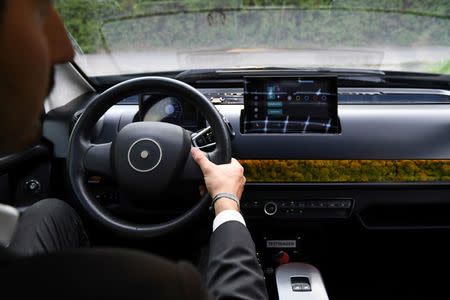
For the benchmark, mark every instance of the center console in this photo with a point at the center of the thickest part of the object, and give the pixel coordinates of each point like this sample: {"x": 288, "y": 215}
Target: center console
{"x": 307, "y": 208}
{"x": 280, "y": 201}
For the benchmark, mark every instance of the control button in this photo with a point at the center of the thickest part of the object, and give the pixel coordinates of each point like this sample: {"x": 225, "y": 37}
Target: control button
{"x": 301, "y": 204}
{"x": 33, "y": 186}
{"x": 245, "y": 204}
{"x": 282, "y": 257}
{"x": 284, "y": 204}
{"x": 200, "y": 141}
{"x": 314, "y": 204}
{"x": 209, "y": 137}
{"x": 270, "y": 208}
{"x": 300, "y": 284}
{"x": 256, "y": 203}
{"x": 309, "y": 204}
{"x": 297, "y": 287}
{"x": 332, "y": 204}
{"x": 322, "y": 204}
{"x": 290, "y": 211}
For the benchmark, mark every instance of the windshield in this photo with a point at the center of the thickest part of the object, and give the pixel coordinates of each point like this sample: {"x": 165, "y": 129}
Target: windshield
{"x": 142, "y": 36}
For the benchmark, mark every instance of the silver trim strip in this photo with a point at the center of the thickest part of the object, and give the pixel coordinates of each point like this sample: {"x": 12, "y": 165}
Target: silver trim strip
{"x": 393, "y": 91}
{"x": 342, "y": 91}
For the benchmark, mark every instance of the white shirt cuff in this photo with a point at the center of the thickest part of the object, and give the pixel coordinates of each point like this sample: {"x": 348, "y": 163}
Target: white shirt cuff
{"x": 227, "y": 215}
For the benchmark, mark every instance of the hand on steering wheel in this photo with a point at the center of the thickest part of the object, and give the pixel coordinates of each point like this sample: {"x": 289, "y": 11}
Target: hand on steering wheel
{"x": 226, "y": 178}
{"x": 144, "y": 157}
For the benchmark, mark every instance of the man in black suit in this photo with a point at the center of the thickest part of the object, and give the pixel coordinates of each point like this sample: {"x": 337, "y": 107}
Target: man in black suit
{"x": 42, "y": 258}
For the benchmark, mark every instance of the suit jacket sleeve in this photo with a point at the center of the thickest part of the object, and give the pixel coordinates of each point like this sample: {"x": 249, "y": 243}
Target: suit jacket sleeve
{"x": 233, "y": 269}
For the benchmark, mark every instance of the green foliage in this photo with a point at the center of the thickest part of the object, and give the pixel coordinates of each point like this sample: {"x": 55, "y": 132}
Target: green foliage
{"x": 346, "y": 170}
{"x": 442, "y": 67}
{"x": 288, "y": 24}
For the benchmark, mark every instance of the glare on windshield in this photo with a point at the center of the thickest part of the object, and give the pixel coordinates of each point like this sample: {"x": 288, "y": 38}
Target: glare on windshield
{"x": 132, "y": 36}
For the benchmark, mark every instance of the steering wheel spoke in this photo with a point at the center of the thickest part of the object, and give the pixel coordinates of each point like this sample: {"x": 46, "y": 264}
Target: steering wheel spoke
{"x": 204, "y": 139}
{"x": 97, "y": 159}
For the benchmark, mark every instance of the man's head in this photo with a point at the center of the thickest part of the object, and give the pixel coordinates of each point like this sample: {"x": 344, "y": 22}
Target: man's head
{"x": 32, "y": 41}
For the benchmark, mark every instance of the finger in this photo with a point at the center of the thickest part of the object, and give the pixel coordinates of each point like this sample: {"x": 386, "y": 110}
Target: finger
{"x": 237, "y": 164}
{"x": 200, "y": 158}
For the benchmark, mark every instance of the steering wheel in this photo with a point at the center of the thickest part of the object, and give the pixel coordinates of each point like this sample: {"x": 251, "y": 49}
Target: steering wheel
{"x": 144, "y": 157}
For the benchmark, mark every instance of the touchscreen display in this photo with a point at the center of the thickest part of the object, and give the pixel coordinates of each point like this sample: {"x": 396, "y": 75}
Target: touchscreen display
{"x": 290, "y": 105}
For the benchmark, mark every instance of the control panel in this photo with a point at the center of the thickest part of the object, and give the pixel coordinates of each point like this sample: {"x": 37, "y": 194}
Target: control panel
{"x": 305, "y": 208}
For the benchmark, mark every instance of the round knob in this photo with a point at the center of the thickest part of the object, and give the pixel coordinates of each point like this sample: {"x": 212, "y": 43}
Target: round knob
{"x": 33, "y": 186}
{"x": 270, "y": 208}
{"x": 281, "y": 257}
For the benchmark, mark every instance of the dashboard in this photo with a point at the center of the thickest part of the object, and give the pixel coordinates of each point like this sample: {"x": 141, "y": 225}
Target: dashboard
{"x": 271, "y": 105}
{"x": 372, "y": 124}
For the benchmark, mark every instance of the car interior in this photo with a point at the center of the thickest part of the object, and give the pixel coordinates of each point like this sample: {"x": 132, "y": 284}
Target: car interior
{"x": 347, "y": 167}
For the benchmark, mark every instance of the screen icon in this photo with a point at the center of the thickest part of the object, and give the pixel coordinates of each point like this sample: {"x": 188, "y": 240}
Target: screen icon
{"x": 270, "y": 92}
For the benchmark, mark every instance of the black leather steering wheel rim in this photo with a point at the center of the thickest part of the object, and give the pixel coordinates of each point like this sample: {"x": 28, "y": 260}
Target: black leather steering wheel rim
{"x": 80, "y": 142}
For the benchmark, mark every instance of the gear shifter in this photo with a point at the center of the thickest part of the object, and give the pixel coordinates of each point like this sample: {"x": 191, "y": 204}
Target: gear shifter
{"x": 299, "y": 281}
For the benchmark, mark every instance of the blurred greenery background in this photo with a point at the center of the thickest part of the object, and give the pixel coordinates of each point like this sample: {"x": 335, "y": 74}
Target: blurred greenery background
{"x": 115, "y": 25}
{"x": 346, "y": 170}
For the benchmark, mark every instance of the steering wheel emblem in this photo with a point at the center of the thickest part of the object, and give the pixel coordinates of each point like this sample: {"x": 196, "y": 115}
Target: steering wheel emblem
{"x": 144, "y": 155}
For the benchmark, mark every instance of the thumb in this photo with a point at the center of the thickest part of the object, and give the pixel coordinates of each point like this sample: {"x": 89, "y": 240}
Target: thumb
{"x": 200, "y": 158}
